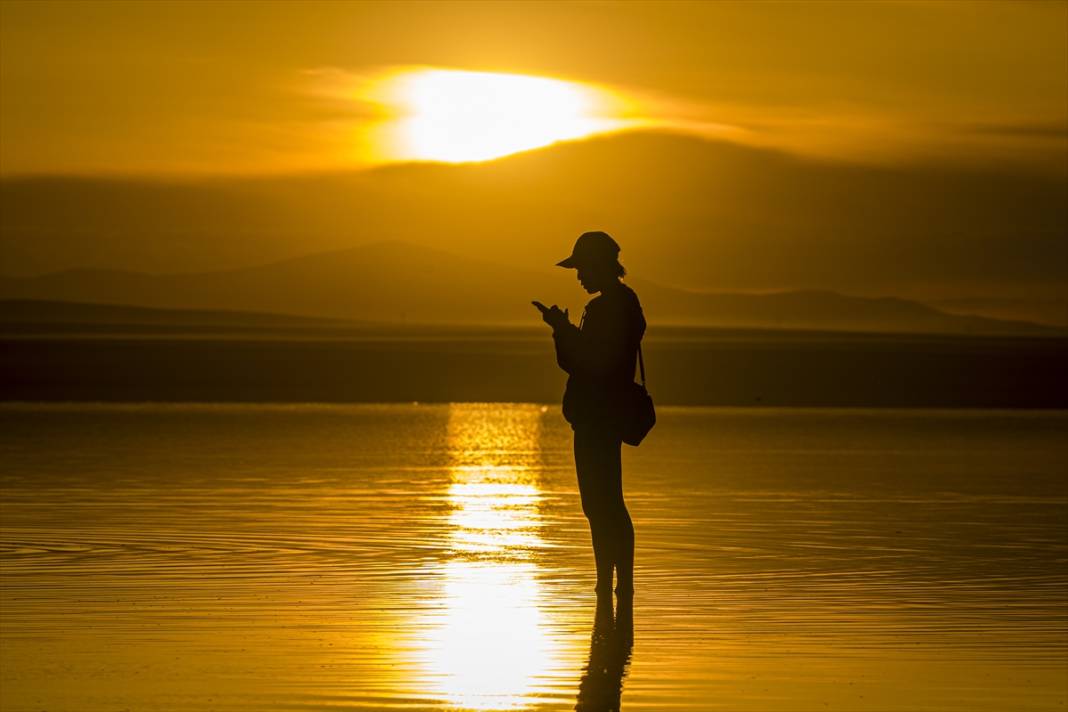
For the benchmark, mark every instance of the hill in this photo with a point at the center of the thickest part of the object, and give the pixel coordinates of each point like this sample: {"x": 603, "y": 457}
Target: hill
{"x": 398, "y": 282}
{"x": 693, "y": 213}
{"x": 43, "y": 313}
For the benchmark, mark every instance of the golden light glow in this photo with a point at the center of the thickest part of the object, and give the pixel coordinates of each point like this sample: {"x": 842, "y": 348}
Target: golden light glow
{"x": 493, "y": 517}
{"x": 457, "y": 116}
{"x": 489, "y": 645}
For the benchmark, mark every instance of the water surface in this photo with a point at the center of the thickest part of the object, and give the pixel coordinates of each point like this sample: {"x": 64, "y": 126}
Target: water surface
{"x": 435, "y": 557}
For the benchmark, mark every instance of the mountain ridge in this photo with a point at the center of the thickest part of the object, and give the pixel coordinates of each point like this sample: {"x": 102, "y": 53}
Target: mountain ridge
{"x": 394, "y": 281}
{"x": 697, "y": 213}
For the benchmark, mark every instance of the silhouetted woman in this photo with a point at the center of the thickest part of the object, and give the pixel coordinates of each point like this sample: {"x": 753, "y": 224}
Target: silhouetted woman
{"x": 599, "y": 356}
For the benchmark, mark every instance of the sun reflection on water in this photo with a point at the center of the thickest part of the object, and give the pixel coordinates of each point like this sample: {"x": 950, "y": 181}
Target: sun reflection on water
{"x": 488, "y": 645}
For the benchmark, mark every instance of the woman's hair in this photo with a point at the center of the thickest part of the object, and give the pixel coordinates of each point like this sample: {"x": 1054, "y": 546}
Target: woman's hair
{"x": 608, "y": 267}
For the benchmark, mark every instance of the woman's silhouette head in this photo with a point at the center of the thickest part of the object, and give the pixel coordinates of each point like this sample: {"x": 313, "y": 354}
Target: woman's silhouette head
{"x": 596, "y": 257}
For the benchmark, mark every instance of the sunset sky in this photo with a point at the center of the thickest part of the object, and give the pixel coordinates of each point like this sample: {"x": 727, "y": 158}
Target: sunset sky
{"x": 908, "y": 149}
{"x": 159, "y": 87}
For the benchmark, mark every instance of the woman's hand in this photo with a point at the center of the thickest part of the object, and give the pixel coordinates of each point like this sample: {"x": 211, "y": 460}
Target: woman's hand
{"x": 553, "y": 316}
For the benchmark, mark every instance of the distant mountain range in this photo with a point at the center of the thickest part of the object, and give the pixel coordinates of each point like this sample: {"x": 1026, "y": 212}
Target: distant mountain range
{"x": 698, "y": 214}
{"x": 398, "y": 282}
{"x": 41, "y": 314}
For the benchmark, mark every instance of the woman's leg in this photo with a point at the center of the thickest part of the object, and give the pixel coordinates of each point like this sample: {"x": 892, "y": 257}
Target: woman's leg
{"x": 589, "y": 466}
{"x": 621, "y": 525}
{"x": 600, "y": 476}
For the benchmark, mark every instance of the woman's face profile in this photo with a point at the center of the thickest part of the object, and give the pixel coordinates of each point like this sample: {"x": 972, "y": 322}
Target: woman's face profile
{"x": 591, "y": 278}
{"x": 587, "y": 279}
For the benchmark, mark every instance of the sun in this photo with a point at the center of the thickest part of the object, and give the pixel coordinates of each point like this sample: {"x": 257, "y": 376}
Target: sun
{"x": 457, "y": 116}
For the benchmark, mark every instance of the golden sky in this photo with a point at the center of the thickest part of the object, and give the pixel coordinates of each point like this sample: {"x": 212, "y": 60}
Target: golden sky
{"x": 198, "y": 87}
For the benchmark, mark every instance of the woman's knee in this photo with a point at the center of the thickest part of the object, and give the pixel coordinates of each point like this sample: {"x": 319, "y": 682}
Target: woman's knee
{"x": 610, "y": 515}
{"x": 596, "y": 511}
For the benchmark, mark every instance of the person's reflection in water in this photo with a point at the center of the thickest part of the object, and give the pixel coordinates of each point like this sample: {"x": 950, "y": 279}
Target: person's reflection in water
{"x": 599, "y": 356}
{"x": 610, "y": 646}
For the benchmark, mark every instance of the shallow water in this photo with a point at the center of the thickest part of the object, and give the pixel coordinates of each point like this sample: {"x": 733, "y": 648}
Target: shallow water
{"x": 435, "y": 557}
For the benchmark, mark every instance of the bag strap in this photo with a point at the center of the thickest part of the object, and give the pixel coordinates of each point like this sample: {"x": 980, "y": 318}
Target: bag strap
{"x": 641, "y": 363}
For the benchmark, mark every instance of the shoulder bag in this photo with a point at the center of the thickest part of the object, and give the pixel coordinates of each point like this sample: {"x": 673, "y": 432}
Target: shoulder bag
{"x": 639, "y": 416}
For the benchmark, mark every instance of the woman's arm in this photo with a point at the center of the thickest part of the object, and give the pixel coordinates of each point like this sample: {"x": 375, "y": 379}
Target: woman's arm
{"x": 569, "y": 343}
{"x": 600, "y": 350}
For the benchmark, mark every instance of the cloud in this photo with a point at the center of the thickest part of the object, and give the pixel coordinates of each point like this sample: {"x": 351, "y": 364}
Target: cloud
{"x": 1037, "y": 130}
